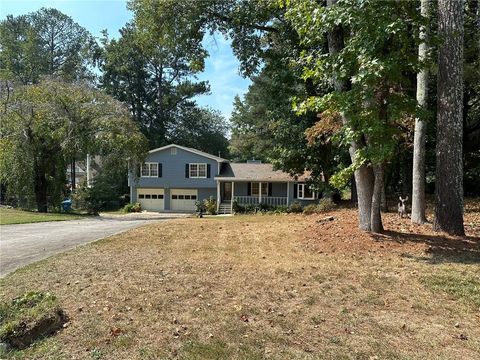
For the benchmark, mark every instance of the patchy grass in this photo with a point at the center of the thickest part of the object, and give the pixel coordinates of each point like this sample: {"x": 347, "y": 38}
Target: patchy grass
{"x": 263, "y": 287}
{"x": 460, "y": 285}
{"x": 13, "y": 216}
{"x": 29, "y": 317}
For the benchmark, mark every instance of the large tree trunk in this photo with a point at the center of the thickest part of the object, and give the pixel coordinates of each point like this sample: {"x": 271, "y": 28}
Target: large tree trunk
{"x": 40, "y": 185}
{"x": 449, "y": 166}
{"x": 363, "y": 175}
{"x": 375, "y": 215}
{"x": 418, "y": 183}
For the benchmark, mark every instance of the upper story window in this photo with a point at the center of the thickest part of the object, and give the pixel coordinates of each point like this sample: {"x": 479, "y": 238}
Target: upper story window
{"x": 197, "y": 170}
{"x": 255, "y": 189}
{"x": 149, "y": 169}
{"x": 304, "y": 192}
{"x": 173, "y": 151}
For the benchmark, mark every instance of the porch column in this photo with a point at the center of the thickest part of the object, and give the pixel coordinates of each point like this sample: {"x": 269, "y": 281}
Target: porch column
{"x": 288, "y": 193}
{"x": 218, "y": 195}
{"x": 260, "y": 193}
{"x": 233, "y": 196}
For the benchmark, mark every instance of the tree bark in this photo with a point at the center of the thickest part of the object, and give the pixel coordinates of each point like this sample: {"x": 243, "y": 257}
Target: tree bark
{"x": 418, "y": 177}
{"x": 449, "y": 165}
{"x": 40, "y": 185}
{"x": 363, "y": 175}
{"x": 375, "y": 215}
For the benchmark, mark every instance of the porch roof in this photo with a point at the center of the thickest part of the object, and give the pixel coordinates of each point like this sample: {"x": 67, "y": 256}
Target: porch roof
{"x": 256, "y": 172}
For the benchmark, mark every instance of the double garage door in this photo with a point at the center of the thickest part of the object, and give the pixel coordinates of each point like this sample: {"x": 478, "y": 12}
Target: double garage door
{"x": 180, "y": 199}
{"x": 151, "y": 199}
{"x": 183, "y": 199}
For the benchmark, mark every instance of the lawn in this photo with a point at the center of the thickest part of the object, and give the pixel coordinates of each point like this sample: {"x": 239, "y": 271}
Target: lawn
{"x": 13, "y": 216}
{"x": 264, "y": 286}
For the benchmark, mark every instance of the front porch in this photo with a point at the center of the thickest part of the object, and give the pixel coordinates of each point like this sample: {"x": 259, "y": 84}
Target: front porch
{"x": 251, "y": 193}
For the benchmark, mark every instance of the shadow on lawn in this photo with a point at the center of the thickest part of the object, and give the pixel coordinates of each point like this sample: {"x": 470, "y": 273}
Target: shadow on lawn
{"x": 441, "y": 248}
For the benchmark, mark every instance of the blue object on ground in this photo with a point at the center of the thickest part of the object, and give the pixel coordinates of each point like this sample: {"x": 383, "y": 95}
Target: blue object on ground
{"x": 67, "y": 205}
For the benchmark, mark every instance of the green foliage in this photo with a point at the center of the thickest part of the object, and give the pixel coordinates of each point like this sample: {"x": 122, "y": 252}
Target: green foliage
{"x": 378, "y": 62}
{"x": 324, "y": 205}
{"x": 132, "y": 208}
{"x": 47, "y": 124}
{"x": 45, "y": 42}
{"x": 29, "y": 308}
{"x": 295, "y": 207}
{"x": 210, "y": 205}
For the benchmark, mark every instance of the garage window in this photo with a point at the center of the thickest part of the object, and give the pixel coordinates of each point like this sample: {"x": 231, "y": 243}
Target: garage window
{"x": 174, "y": 197}
{"x": 141, "y": 196}
{"x": 149, "y": 169}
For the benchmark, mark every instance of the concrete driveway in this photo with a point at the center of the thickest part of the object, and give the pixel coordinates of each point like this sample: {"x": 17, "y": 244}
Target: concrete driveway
{"x": 23, "y": 244}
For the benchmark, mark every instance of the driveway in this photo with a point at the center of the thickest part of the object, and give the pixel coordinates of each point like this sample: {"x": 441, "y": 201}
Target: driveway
{"x": 23, "y": 244}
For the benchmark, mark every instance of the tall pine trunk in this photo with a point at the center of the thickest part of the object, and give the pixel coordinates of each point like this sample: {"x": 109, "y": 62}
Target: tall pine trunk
{"x": 449, "y": 164}
{"x": 418, "y": 178}
{"x": 364, "y": 175}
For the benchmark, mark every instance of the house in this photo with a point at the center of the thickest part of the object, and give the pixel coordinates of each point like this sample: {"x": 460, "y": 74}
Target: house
{"x": 174, "y": 177}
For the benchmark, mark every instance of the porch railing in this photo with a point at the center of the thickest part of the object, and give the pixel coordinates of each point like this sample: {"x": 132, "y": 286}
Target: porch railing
{"x": 255, "y": 200}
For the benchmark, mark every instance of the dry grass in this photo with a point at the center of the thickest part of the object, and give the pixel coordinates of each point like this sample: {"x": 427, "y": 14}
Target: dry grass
{"x": 248, "y": 287}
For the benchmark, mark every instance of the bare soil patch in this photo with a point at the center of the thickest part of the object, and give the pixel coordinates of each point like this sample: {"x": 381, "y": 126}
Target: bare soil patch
{"x": 264, "y": 286}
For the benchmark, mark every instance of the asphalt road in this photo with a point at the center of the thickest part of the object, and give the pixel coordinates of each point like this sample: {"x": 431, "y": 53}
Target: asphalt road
{"x": 23, "y": 244}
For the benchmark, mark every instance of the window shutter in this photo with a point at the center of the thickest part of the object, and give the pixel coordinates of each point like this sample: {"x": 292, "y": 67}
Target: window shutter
{"x": 270, "y": 185}
{"x": 138, "y": 170}
{"x": 295, "y": 191}
{"x": 187, "y": 173}
{"x": 208, "y": 170}
{"x": 159, "y": 169}
{"x": 249, "y": 189}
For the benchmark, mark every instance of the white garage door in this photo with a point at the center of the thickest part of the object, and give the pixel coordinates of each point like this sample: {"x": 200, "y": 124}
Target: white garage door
{"x": 150, "y": 199}
{"x": 183, "y": 199}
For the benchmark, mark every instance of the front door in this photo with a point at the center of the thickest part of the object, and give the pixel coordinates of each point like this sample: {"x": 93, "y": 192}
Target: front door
{"x": 227, "y": 191}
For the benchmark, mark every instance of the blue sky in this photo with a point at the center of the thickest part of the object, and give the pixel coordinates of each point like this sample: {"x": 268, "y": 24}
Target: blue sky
{"x": 221, "y": 68}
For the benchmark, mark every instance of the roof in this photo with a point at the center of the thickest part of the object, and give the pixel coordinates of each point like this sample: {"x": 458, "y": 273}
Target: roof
{"x": 256, "y": 172}
{"x": 194, "y": 151}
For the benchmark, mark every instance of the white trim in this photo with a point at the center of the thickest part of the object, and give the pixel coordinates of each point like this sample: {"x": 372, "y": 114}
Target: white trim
{"x": 288, "y": 193}
{"x": 314, "y": 195}
{"x": 194, "y": 151}
{"x": 149, "y": 170}
{"x": 198, "y": 171}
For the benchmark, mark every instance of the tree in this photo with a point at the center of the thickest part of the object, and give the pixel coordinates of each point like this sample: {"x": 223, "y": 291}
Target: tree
{"x": 201, "y": 128}
{"x": 418, "y": 184}
{"x": 449, "y": 170}
{"x": 154, "y": 77}
{"x": 369, "y": 65}
{"x": 45, "y": 42}
{"x": 45, "y": 124}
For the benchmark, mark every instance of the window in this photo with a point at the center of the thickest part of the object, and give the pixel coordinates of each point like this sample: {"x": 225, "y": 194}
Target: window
{"x": 173, "y": 151}
{"x": 304, "y": 192}
{"x": 149, "y": 169}
{"x": 198, "y": 170}
{"x": 154, "y": 196}
{"x": 174, "y": 197}
{"x": 141, "y": 196}
{"x": 255, "y": 190}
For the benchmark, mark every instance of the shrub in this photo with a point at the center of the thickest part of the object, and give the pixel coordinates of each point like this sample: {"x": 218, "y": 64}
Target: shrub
{"x": 295, "y": 207}
{"x": 310, "y": 209}
{"x": 210, "y": 205}
{"x": 132, "y": 208}
{"x": 324, "y": 205}
{"x": 237, "y": 208}
{"x": 28, "y": 318}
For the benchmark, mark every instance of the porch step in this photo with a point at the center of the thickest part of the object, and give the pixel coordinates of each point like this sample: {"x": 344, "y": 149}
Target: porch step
{"x": 225, "y": 208}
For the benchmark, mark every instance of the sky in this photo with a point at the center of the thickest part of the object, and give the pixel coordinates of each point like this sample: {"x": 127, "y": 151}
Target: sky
{"x": 221, "y": 68}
